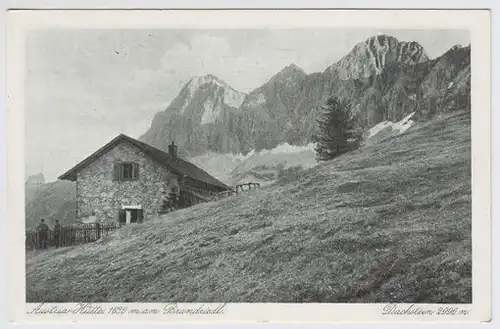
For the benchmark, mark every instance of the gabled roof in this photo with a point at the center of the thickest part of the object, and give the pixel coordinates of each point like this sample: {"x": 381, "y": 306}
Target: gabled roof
{"x": 177, "y": 165}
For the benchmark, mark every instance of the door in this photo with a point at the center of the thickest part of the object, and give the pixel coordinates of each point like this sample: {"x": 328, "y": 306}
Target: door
{"x": 122, "y": 216}
{"x": 133, "y": 215}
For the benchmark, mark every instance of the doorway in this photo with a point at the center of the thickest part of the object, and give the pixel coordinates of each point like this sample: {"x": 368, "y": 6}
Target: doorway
{"x": 130, "y": 215}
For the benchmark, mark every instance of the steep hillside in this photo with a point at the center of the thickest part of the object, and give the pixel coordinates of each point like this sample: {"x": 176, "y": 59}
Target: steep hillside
{"x": 384, "y": 78}
{"x": 51, "y": 201}
{"x": 390, "y": 222}
{"x": 269, "y": 109}
{"x": 33, "y": 184}
{"x": 447, "y": 86}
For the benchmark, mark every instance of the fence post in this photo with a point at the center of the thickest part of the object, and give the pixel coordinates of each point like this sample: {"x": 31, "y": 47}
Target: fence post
{"x": 70, "y": 235}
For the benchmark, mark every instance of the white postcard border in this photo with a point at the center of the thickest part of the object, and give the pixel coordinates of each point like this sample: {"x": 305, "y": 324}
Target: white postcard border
{"x": 478, "y": 24}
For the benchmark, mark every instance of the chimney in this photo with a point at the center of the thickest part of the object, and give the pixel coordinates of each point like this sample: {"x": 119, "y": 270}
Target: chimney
{"x": 172, "y": 150}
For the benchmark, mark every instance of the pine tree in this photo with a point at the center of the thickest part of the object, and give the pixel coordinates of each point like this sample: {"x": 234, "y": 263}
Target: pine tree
{"x": 165, "y": 205}
{"x": 170, "y": 202}
{"x": 337, "y": 130}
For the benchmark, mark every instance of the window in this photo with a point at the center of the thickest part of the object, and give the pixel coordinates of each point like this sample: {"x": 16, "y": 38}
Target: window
{"x": 125, "y": 171}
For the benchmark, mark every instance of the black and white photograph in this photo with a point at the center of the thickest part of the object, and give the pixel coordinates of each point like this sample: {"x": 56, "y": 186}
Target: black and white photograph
{"x": 249, "y": 165}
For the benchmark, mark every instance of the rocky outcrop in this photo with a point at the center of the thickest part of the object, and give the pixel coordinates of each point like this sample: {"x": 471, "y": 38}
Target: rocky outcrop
{"x": 51, "y": 201}
{"x": 201, "y": 117}
{"x": 382, "y": 77}
{"x": 447, "y": 86}
{"x": 375, "y": 54}
{"x": 33, "y": 185}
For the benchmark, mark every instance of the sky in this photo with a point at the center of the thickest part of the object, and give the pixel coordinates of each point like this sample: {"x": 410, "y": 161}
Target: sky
{"x": 84, "y": 87}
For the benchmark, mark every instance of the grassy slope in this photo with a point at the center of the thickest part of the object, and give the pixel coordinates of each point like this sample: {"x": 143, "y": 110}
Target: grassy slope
{"x": 389, "y": 222}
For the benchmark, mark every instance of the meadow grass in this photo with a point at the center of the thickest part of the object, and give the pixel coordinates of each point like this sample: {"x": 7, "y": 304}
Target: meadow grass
{"x": 390, "y": 222}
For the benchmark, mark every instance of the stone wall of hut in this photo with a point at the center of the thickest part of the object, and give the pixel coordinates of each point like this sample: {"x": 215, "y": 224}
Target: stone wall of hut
{"x": 100, "y": 194}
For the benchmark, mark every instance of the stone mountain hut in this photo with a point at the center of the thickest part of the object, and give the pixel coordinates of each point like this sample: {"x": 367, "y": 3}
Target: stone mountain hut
{"x": 127, "y": 181}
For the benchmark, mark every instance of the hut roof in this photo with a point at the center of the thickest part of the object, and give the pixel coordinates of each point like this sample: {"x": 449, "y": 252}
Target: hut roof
{"x": 177, "y": 165}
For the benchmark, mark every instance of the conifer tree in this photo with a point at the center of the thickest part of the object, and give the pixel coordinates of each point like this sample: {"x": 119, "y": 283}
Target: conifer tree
{"x": 337, "y": 130}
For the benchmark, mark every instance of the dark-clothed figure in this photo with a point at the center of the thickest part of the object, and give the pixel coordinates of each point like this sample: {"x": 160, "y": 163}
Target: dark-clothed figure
{"x": 43, "y": 234}
{"x": 57, "y": 233}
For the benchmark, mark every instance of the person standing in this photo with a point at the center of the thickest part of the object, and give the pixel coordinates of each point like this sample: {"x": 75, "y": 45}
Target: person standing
{"x": 43, "y": 232}
{"x": 57, "y": 232}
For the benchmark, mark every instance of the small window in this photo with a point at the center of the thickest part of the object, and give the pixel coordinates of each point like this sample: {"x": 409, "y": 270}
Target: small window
{"x": 126, "y": 171}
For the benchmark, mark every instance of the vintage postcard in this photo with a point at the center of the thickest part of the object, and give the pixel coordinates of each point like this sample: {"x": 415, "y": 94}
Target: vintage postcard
{"x": 235, "y": 165}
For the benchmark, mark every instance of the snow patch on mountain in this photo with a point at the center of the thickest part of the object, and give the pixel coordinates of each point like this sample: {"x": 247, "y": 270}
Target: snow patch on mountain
{"x": 459, "y": 46}
{"x": 210, "y": 113}
{"x": 287, "y": 148}
{"x": 192, "y": 86}
{"x": 231, "y": 97}
{"x": 399, "y": 127}
{"x": 220, "y": 165}
{"x": 266, "y": 166}
{"x": 258, "y": 99}
{"x": 238, "y": 168}
{"x": 196, "y": 82}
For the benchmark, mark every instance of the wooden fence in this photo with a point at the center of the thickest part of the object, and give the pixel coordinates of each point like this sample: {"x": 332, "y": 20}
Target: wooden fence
{"x": 69, "y": 235}
{"x": 238, "y": 189}
{"x": 246, "y": 187}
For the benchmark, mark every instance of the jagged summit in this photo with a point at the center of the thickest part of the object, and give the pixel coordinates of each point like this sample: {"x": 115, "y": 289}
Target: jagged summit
{"x": 385, "y": 41}
{"x": 374, "y": 54}
{"x": 204, "y": 101}
{"x": 384, "y": 78}
{"x": 459, "y": 46}
{"x": 231, "y": 97}
{"x": 292, "y": 68}
{"x": 197, "y": 81}
{"x": 381, "y": 40}
{"x": 289, "y": 74}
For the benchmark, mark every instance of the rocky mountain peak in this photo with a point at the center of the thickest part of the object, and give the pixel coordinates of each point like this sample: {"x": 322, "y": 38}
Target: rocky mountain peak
{"x": 458, "y": 46}
{"x": 228, "y": 95}
{"x": 198, "y": 81}
{"x": 381, "y": 41}
{"x": 292, "y": 68}
{"x": 384, "y": 79}
{"x": 290, "y": 71}
{"x": 374, "y": 54}
{"x": 289, "y": 75}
